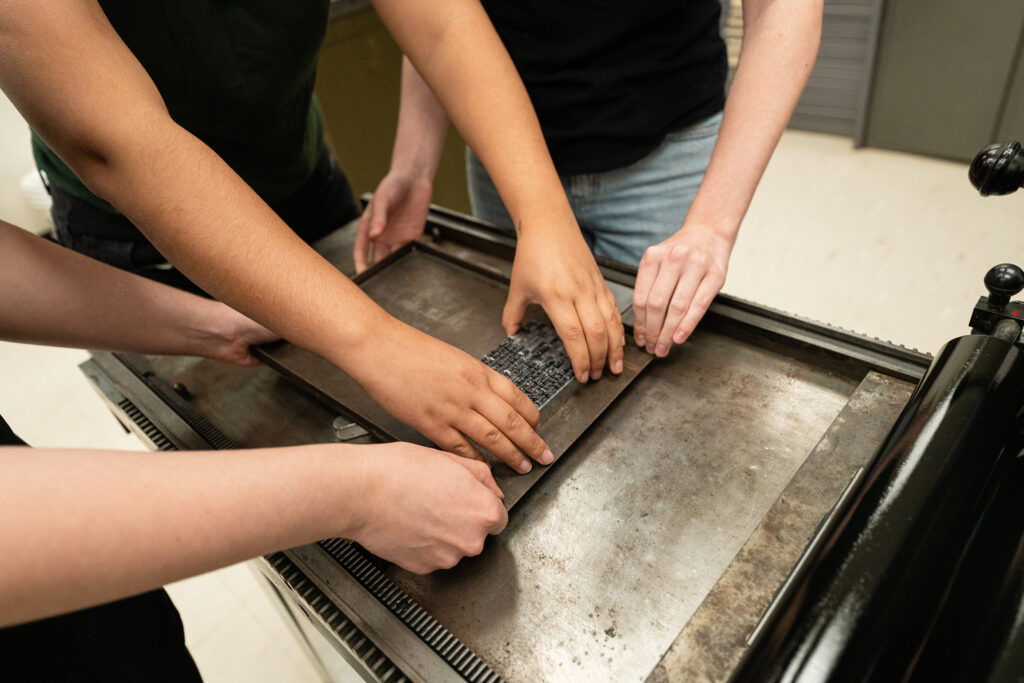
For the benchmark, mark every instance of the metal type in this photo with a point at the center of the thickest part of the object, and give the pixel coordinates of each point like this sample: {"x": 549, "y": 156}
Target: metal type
{"x": 885, "y": 565}
{"x": 840, "y": 351}
{"x": 456, "y": 303}
{"x": 609, "y": 556}
{"x": 536, "y": 362}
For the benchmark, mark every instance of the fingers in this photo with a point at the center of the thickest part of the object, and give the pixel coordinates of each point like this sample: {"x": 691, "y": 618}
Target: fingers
{"x": 595, "y": 333}
{"x": 616, "y": 332}
{"x": 512, "y": 395}
{"x": 454, "y": 442}
{"x": 518, "y": 433}
{"x": 676, "y": 309}
{"x": 645, "y": 278}
{"x": 379, "y": 220}
{"x": 361, "y": 251}
{"x": 382, "y": 249}
{"x": 570, "y": 330}
{"x": 706, "y": 292}
{"x": 658, "y": 301}
{"x": 480, "y": 471}
{"x": 512, "y": 314}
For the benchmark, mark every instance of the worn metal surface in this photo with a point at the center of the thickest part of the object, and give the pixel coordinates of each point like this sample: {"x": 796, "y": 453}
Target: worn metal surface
{"x": 888, "y": 563}
{"x": 462, "y": 307}
{"x": 605, "y": 560}
{"x": 715, "y": 638}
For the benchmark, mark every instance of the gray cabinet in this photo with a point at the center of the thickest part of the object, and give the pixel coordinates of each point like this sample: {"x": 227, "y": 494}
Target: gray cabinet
{"x": 948, "y": 78}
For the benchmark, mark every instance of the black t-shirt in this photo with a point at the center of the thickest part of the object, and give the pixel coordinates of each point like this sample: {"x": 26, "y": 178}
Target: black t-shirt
{"x": 610, "y": 79}
{"x": 136, "y": 639}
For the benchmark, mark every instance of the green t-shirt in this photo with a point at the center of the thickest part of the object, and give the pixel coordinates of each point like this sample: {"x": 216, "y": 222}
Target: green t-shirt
{"x": 237, "y": 74}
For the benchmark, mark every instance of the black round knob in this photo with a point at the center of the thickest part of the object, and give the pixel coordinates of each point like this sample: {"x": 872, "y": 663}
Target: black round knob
{"x": 998, "y": 169}
{"x": 1002, "y": 282}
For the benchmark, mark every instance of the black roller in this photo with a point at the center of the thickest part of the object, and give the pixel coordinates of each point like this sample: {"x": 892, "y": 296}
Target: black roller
{"x": 866, "y": 601}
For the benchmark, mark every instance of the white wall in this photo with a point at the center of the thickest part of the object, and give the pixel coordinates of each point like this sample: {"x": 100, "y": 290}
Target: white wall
{"x": 15, "y": 162}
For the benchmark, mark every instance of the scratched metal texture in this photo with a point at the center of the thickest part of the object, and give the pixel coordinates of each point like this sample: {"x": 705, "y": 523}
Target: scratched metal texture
{"x": 609, "y": 555}
{"x": 608, "y": 558}
{"x": 716, "y": 636}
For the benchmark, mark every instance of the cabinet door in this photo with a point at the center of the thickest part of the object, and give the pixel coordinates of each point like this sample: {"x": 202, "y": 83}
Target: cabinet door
{"x": 943, "y": 70}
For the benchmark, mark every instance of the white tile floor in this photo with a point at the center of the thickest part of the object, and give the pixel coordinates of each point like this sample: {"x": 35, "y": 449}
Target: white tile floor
{"x": 890, "y": 245}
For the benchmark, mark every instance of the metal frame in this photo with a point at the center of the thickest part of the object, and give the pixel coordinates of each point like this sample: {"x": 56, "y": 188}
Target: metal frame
{"x": 359, "y": 615}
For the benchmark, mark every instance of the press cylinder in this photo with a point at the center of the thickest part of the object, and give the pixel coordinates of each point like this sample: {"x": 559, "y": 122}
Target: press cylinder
{"x": 867, "y": 596}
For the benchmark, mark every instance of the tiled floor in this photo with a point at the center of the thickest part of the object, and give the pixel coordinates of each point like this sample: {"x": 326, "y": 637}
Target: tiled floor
{"x": 890, "y": 245}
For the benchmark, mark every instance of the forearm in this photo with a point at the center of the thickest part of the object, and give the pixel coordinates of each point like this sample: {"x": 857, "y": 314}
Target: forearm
{"x": 780, "y": 43}
{"x": 51, "y": 295}
{"x": 86, "y": 527}
{"x": 422, "y": 127}
{"x": 116, "y": 134}
{"x": 457, "y": 51}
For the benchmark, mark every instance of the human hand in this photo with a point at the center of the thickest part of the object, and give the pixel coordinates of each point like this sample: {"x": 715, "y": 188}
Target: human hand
{"x": 226, "y": 335}
{"x": 424, "y": 509}
{"x": 396, "y": 215}
{"x": 675, "y": 284}
{"x": 447, "y": 396}
{"x": 560, "y": 274}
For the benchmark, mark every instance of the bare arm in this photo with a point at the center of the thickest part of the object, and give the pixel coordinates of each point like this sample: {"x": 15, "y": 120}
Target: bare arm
{"x": 397, "y": 212}
{"x": 456, "y": 50}
{"x": 107, "y": 121}
{"x": 679, "y": 277}
{"x": 95, "y": 526}
{"x": 51, "y": 295}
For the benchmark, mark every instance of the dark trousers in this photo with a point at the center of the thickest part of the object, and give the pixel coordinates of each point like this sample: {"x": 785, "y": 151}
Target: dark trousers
{"x": 320, "y": 206}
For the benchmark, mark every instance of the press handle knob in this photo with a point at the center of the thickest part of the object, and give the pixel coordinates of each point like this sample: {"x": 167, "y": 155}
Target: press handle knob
{"x": 998, "y": 169}
{"x": 1002, "y": 282}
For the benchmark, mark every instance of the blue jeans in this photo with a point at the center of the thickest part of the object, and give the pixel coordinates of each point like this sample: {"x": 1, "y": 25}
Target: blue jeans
{"x": 624, "y": 211}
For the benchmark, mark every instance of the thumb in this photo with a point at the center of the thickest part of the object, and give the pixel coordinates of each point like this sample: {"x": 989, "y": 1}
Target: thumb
{"x": 380, "y": 214}
{"x": 361, "y": 249}
{"x": 515, "y": 310}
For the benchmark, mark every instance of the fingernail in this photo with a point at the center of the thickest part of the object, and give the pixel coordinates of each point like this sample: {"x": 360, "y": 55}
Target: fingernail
{"x": 547, "y": 457}
{"x": 582, "y": 377}
{"x": 649, "y": 348}
{"x": 679, "y": 337}
{"x": 640, "y": 340}
{"x": 660, "y": 350}
{"x": 595, "y": 375}
{"x": 524, "y": 466}
{"x": 617, "y": 367}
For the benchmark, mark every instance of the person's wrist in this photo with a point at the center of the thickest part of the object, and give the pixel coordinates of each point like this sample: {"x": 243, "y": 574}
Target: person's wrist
{"x": 209, "y": 328}
{"x": 367, "y": 354}
{"x": 348, "y": 489}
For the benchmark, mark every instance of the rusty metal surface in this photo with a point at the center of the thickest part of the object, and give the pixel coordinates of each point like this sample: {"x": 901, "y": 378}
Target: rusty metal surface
{"x": 606, "y": 559}
{"x": 715, "y": 638}
{"x": 461, "y": 307}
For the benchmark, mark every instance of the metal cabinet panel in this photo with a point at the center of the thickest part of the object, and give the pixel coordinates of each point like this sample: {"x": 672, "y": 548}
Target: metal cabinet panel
{"x": 943, "y": 70}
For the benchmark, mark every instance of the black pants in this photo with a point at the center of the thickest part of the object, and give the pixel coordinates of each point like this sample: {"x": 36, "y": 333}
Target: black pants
{"x": 320, "y": 206}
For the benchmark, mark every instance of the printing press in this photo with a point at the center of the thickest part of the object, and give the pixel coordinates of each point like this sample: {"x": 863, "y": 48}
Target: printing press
{"x": 776, "y": 500}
